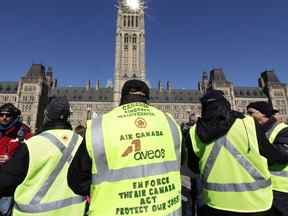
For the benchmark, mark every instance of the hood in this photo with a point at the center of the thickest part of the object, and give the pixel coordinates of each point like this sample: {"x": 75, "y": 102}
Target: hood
{"x": 213, "y": 128}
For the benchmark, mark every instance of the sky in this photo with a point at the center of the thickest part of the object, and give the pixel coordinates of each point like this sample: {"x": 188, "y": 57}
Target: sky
{"x": 183, "y": 39}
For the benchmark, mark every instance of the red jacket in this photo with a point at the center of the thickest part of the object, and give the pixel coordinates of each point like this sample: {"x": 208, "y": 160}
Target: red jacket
{"x": 11, "y": 138}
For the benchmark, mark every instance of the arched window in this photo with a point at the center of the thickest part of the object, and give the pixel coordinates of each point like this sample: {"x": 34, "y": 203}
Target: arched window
{"x": 134, "y": 39}
{"x": 125, "y": 21}
{"x": 128, "y": 21}
{"x": 136, "y": 21}
{"x": 126, "y": 38}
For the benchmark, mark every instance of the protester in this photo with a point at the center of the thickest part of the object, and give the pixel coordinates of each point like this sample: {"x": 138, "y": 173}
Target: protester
{"x": 12, "y": 134}
{"x": 131, "y": 161}
{"x": 190, "y": 186}
{"x": 39, "y": 168}
{"x": 228, "y": 148}
{"x": 277, "y": 133}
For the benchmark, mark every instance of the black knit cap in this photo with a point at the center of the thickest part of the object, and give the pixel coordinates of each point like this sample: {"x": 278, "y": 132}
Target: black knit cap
{"x": 135, "y": 87}
{"x": 57, "y": 109}
{"x": 10, "y": 108}
{"x": 263, "y": 107}
{"x": 212, "y": 96}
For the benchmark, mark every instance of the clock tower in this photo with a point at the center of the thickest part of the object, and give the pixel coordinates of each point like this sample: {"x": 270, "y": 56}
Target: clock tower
{"x": 130, "y": 44}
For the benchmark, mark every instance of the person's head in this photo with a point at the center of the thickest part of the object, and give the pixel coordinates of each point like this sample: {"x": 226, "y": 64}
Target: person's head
{"x": 80, "y": 129}
{"x": 192, "y": 118}
{"x": 214, "y": 105}
{"x": 8, "y": 112}
{"x": 134, "y": 91}
{"x": 261, "y": 111}
{"x": 58, "y": 109}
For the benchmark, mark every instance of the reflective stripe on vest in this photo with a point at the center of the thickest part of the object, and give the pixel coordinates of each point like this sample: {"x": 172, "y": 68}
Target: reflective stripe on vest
{"x": 269, "y": 132}
{"x": 276, "y": 128}
{"x": 105, "y": 174}
{"x": 34, "y": 206}
{"x": 280, "y": 173}
{"x": 177, "y": 212}
{"x": 259, "y": 182}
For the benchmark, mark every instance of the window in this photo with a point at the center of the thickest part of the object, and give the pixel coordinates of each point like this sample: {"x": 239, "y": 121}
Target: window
{"x": 126, "y": 38}
{"x": 134, "y": 39}
{"x": 136, "y": 21}
{"x": 278, "y": 93}
{"x": 125, "y": 21}
{"x": 128, "y": 21}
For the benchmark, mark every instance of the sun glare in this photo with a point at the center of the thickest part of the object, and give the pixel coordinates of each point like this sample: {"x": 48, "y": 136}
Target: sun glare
{"x": 133, "y": 4}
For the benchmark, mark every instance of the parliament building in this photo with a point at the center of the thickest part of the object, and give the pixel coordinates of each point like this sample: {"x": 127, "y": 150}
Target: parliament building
{"x": 31, "y": 92}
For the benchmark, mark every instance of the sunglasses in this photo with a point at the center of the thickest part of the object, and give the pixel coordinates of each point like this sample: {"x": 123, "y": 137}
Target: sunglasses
{"x": 6, "y": 114}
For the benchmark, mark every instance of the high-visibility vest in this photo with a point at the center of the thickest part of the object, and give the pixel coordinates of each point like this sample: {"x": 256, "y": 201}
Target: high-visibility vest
{"x": 279, "y": 172}
{"x": 135, "y": 150}
{"x": 45, "y": 191}
{"x": 235, "y": 176}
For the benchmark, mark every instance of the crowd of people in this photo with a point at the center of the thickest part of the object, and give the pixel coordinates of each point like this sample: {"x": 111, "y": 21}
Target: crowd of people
{"x": 131, "y": 161}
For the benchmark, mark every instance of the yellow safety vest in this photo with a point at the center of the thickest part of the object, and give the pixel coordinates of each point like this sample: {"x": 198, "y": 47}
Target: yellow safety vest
{"x": 235, "y": 176}
{"x": 45, "y": 191}
{"x": 135, "y": 150}
{"x": 279, "y": 172}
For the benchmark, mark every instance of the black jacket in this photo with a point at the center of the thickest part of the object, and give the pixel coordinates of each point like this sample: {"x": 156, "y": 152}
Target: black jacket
{"x": 281, "y": 140}
{"x": 277, "y": 153}
{"x": 79, "y": 173}
{"x": 15, "y": 170}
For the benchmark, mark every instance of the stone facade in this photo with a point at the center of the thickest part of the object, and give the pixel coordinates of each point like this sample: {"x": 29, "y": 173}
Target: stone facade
{"x": 130, "y": 46}
{"x": 32, "y": 91}
{"x": 29, "y": 94}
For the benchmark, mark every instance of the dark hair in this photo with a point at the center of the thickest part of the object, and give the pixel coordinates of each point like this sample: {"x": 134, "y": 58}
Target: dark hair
{"x": 80, "y": 129}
